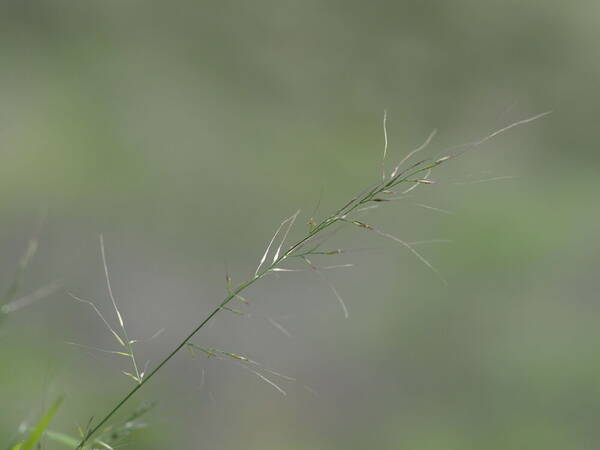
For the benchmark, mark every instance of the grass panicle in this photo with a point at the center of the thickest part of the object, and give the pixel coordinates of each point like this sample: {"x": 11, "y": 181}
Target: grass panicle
{"x": 402, "y": 180}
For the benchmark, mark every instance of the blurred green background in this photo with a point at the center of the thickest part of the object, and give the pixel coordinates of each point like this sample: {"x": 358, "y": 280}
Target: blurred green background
{"x": 186, "y": 131}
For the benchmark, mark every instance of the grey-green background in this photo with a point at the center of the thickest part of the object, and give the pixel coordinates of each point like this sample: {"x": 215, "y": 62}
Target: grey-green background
{"x": 186, "y": 131}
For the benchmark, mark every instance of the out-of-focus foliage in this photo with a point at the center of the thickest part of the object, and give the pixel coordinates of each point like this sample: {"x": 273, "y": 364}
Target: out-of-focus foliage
{"x": 186, "y": 131}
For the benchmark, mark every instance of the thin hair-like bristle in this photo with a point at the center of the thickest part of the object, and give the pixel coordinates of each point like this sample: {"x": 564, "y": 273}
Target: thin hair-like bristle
{"x": 512, "y": 125}
{"x": 337, "y": 266}
{"x": 431, "y": 241}
{"x": 405, "y": 244}
{"x": 331, "y": 286}
{"x": 266, "y": 253}
{"x": 433, "y": 208}
{"x": 95, "y": 308}
{"x": 285, "y": 234}
{"x": 413, "y": 152}
{"x": 486, "y": 180}
{"x": 415, "y": 252}
{"x": 278, "y": 326}
{"x": 338, "y": 297}
{"x": 385, "y": 144}
{"x": 108, "y": 285}
{"x": 265, "y": 379}
{"x": 244, "y": 362}
{"x": 471, "y": 145}
{"x": 90, "y": 347}
{"x": 283, "y": 269}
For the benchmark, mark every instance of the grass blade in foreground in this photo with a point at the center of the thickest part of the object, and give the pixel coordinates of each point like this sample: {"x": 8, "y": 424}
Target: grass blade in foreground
{"x": 40, "y": 428}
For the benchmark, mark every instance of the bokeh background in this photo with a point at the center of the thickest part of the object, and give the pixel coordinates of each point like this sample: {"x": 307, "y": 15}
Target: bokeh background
{"x": 186, "y": 131}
